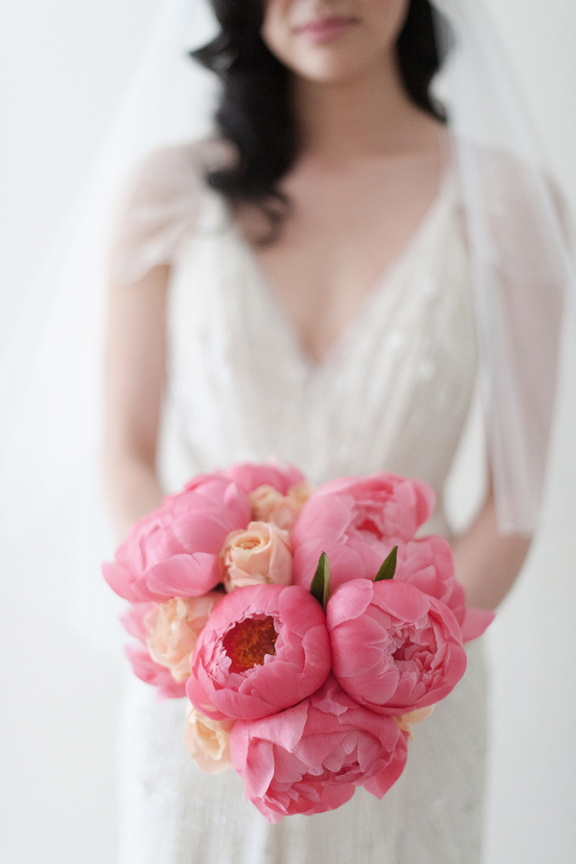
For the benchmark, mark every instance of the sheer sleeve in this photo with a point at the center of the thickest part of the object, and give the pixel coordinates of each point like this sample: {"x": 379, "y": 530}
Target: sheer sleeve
{"x": 158, "y": 208}
{"x": 520, "y": 247}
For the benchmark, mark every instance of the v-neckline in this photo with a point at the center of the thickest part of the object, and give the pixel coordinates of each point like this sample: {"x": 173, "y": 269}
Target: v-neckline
{"x": 272, "y": 299}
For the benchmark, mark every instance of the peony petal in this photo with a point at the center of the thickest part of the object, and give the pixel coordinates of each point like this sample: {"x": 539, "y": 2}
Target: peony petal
{"x": 186, "y": 575}
{"x": 153, "y": 673}
{"x": 476, "y": 621}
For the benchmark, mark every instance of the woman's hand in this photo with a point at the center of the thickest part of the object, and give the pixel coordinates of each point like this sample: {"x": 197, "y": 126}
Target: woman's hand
{"x": 135, "y": 374}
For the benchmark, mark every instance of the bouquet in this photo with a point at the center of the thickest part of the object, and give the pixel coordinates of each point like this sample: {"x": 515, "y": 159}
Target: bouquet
{"x": 308, "y": 629}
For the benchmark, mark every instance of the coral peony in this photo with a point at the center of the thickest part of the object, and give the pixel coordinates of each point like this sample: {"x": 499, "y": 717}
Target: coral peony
{"x": 173, "y": 552}
{"x": 353, "y": 520}
{"x": 208, "y": 741}
{"x": 427, "y": 564}
{"x": 264, "y": 648}
{"x": 310, "y": 758}
{"x": 394, "y": 648}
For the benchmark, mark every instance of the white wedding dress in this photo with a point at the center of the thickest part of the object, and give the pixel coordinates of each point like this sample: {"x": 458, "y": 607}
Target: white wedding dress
{"x": 392, "y": 394}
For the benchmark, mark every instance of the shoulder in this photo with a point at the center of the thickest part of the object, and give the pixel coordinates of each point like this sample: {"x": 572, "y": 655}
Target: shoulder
{"x": 511, "y": 181}
{"x": 525, "y": 217}
{"x": 159, "y": 204}
{"x": 177, "y": 169}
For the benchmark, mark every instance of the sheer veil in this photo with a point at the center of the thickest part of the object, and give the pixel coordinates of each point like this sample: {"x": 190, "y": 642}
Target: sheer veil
{"x": 50, "y": 373}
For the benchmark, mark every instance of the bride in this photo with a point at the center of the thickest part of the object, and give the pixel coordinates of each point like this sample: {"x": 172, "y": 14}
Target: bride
{"x": 301, "y": 285}
{"x": 342, "y": 327}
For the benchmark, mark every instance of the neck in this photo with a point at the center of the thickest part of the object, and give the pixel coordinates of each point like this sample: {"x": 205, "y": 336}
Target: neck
{"x": 366, "y": 116}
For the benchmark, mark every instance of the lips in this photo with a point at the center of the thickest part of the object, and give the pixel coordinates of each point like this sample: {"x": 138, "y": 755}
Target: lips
{"x": 326, "y": 29}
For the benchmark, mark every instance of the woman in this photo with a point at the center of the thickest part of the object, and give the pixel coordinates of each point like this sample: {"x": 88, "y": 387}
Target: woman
{"x": 314, "y": 302}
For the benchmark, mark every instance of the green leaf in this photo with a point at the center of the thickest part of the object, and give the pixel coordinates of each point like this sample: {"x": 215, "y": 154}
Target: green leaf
{"x": 388, "y": 568}
{"x": 320, "y": 587}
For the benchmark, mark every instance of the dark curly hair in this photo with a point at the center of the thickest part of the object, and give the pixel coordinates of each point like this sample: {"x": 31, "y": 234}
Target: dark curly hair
{"x": 255, "y": 111}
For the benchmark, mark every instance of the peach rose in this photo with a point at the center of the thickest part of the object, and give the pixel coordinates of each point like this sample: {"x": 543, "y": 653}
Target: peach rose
{"x": 208, "y": 741}
{"x": 270, "y": 505}
{"x": 172, "y": 629}
{"x": 259, "y": 554}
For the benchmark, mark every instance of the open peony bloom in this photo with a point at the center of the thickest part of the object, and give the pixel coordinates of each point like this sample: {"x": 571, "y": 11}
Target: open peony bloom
{"x": 394, "y": 648}
{"x": 256, "y": 555}
{"x": 353, "y": 519}
{"x": 208, "y": 741}
{"x": 311, "y": 757}
{"x": 173, "y": 552}
{"x": 264, "y": 648}
{"x": 172, "y": 629}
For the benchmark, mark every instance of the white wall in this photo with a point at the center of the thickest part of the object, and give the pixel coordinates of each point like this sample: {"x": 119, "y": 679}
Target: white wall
{"x": 63, "y": 64}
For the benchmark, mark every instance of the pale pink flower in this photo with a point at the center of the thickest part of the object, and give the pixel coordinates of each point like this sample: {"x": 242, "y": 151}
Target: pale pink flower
{"x": 394, "y": 648}
{"x": 143, "y": 666}
{"x": 270, "y": 505}
{"x": 172, "y": 629}
{"x": 208, "y": 741}
{"x": 256, "y": 555}
{"x": 300, "y": 493}
{"x": 264, "y": 648}
{"x": 173, "y": 552}
{"x": 311, "y": 757}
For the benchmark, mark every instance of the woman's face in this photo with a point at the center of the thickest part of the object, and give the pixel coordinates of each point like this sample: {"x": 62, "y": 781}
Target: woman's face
{"x": 332, "y": 40}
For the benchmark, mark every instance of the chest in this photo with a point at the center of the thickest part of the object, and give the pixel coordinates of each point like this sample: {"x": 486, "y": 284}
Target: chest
{"x": 391, "y": 392}
{"x": 344, "y": 233}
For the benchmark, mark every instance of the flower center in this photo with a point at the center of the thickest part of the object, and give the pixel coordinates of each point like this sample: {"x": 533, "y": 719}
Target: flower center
{"x": 248, "y": 642}
{"x": 368, "y": 522}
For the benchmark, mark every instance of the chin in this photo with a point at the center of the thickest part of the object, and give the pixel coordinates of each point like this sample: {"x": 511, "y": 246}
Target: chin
{"x": 329, "y": 70}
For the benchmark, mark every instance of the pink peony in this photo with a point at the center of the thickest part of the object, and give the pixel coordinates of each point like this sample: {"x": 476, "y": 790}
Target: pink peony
{"x": 172, "y": 629}
{"x": 353, "y": 519}
{"x": 208, "y": 741}
{"x": 249, "y": 476}
{"x": 264, "y": 648}
{"x": 153, "y": 673}
{"x": 133, "y": 619}
{"x": 174, "y": 550}
{"x": 310, "y": 758}
{"x": 427, "y": 564}
{"x": 394, "y": 648}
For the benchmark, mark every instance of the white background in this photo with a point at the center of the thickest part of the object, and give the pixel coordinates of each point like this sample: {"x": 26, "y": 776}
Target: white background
{"x": 63, "y": 65}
